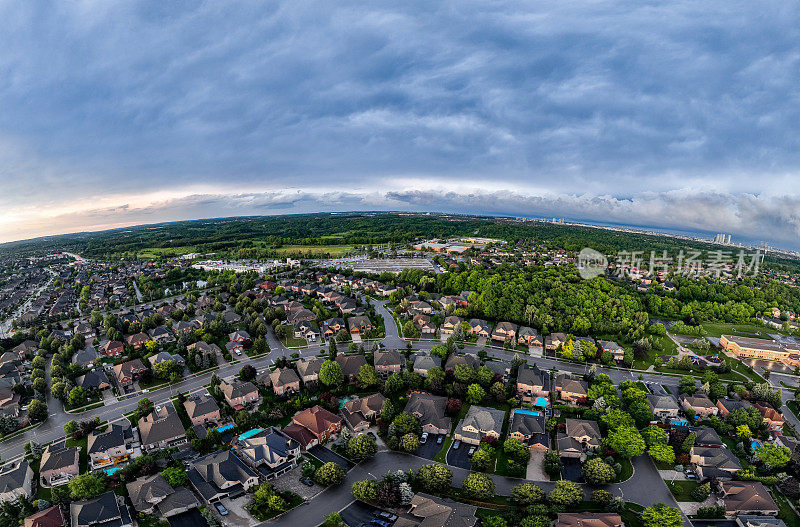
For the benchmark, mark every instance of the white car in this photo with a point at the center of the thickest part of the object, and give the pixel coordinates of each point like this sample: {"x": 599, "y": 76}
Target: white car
{"x": 471, "y": 451}
{"x": 423, "y": 438}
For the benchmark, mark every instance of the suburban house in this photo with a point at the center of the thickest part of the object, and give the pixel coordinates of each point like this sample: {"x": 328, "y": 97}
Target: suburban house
{"x": 663, "y": 406}
{"x": 161, "y": 428}
{"x": 770, "y": 416}
{"x": 241, "y": 336}
{"x": 306, "y": 330}
{"x": 284, "y": 381}
{"x": 479, "y": 422}
{"x": 59, "y": 464}
{"x": 309, "y": 369}
{"x": 205, "y": 349}
{"x": 500, "y": 368}
{"x": 93, "y": 381}
{"x": 388, "y": 362}
{"x": 9, "y": 402}
{"x": 161, "y": 334}
{"x": 751, "y": 497}
{"x": 554, "y": 340}
{"x": 527, "y": 336}
{"x": 430, "y": 410}
{"x": 240, "y": 394}
{"x": 359, "y": 324}
{"x": 350, "y": 365}
{"x": 529, "y": 428}
{"x": 127, "y": 372}
{"x": 87, "y": 357}
{"x": 137, "y": 340}
{"x": 16, "y": 479}
{"x": 332, "y": 326}
{"x": 571, "y": 389}
{"x": 585, "y": 431}
{"x": 706, "y": 437}
{"x": 51, "y": 517}
{"x": 725, "y": 406}
{"x": 113, "y": 446}
{"x": 111, "y": 348}
{"x": 270, "y": 452}
{"x": 106, "y": 510}
{"x": 164, "y": 356}
{"x": 505, "y": 332}
{"x": 221, "y": 475}
{"x": 588, "y": 519}
{"x": 430, "y": 511}
{"x": 313, "y": 426}
{"x": 424, "y": 325}
{"x": 152, "y": 495}
{"x": 423, "y": 362}
{"x": 360, "y": 413}
{"x": 202, "y": 409}
{"x": 532, "y": 383}
{"x": 718, "y": 463}
{"x": 700, "y": 404}
{"x": 26, "y": 348}
{"x": 450, "y": 324}
{"x": 616, "y": 351}
{"x": 479, "y": 328}
{"x": 469, "y": 360}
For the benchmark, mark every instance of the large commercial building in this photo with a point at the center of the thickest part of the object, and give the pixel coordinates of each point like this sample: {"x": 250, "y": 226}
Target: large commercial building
{"x": 763, "y": 349}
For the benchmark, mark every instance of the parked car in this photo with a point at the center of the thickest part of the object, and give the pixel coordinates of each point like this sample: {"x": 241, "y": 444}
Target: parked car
{"x": 388, "y": 516}
{"x": 456, "y": 444}
{"x": 439, "y": 440}
{"x": 305, "y": 480}
{"x": 221, "y": 508}
{"x": 381, "y": 523}
{"x": 423, "y": 438}
{"x": 471, "y": 451}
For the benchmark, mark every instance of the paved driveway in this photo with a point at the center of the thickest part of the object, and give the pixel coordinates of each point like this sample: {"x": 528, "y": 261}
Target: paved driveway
{"x": 430, "y": 448}
{"x": 571, "y": 470}
{"x": 458, "y": 457}
{"x": 535, "y": 471}
{"x": 327, "y": 455}
{"x": 358, "y": 514}
{"x": 190, "y": 518}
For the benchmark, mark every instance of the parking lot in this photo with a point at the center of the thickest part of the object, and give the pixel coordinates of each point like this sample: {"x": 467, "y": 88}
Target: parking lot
{"x": 458, "y": 457}
{"x": 327, "y": 455}
{"x": 359, "y": 514}
{"x": 431, "y": 447}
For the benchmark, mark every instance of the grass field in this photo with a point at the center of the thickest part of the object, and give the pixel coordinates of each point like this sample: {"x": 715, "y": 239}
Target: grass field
{"x": 682, "y": 490}
{"x": 158, "y": 252}
{"x": 333, "y": 250}
{"x": 743, "y": 330}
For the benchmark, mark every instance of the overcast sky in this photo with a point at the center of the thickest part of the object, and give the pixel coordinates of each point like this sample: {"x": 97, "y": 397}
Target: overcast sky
{"x": 675, "y": 114}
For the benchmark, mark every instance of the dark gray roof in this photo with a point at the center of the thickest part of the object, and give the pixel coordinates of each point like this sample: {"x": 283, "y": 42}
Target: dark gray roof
{"x": 102, "y": 510}
{"x": 13, "y": 476}
{"x": 533, "y": 376}
{"x": 114, "y": 436}
{"x": 200, "y": 404}
{"x": 209, "y": 473}
{"x": 148, "y": 491}
{"x": 57, "y": 456}
{"x": 92, "y": 380}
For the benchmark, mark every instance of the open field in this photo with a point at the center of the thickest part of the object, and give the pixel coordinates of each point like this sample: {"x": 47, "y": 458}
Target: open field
{"x": 333, "y": 250}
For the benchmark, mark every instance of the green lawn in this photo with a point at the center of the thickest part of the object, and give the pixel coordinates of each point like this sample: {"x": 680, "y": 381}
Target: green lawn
{"x": 292, "y": 342}
{"x": 440, "y": 457}
{"x": 627, "y": 470}
{"x": 84, "y": 454}
{"x": 785, "y": 511}
{"x": 333, "y": 250}
{"x": 682, "y": 490}
{"x": 717, "y": 329}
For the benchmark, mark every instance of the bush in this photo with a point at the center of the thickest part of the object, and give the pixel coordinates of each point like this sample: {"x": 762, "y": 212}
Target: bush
{"x": 700, "y": 493}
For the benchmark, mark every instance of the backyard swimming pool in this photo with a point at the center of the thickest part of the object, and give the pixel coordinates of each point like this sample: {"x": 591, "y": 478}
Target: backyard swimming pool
{"x": 111, "y": 470}
{"x": 527, "y": 412}
{"x": 250, "y": 433}
{"x": 225, "y": 428}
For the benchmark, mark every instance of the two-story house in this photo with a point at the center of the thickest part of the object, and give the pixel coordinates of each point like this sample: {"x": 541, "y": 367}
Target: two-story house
{"x": 240, "y": 394}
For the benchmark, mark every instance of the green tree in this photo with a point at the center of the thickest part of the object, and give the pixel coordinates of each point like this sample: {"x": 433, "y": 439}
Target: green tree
{"x": 57, "y": 389}
{"x": 77, "y": 396}
{"x": 394, "y": 384}
{"x": 37, "y": 410}
{"x": 329, "y": 474}
{"x": 176, "y": 477}
{"x": 70, "y": 427}
{"x": 85, "y": 487}
{"x": 464, "y": 374}
{"x": 662, "y": 453}
{"x": 526, "y": 494}
{"x": 614, "y": 418}
{"x": 516, "y": 450}
{"x": 484, "y": 376}
{"x": 566, "y": 493}
{"x": 277, "y": 504}
{"x": 701, "y": 492}
{"x": 406, "y": 423}
{"x": 654, "y": 435}
{"x": 330, "y": 373}
{"x": 366, "y": 490}
{"x": 333, "y": 519}
{"x": 435, "y": 478}
{"x": 367, "y": 376}
{"x": 598, "y": 472}
{"x": 494, "y": 521}
{"x": 688, "y": 443}
{"x": 478, "y": 486}
{"x": 773, "y": 456}
{"x": 362, "y": 447}
{"x": 482, "y": 460}
{"x": 659, "y": 515}
{"x": 475, "y": 394}
{"x": 409, "y": 442}
{"x": 626, "y": 441}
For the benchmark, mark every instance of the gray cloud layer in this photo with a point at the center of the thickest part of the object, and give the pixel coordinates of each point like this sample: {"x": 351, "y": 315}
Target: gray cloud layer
{"x": 604, "y": 110}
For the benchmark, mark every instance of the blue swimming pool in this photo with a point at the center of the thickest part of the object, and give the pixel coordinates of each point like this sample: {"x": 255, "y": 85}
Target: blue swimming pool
{"x": 527, "y": 412}
{"x": 225, "y": 428}
{"x": 542, "y": 402}
{"x": 679, "y": 422}
{"x": 250, "y": 433}
{"x": 111, "y": 470}
{"x": 755, "y": 444}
